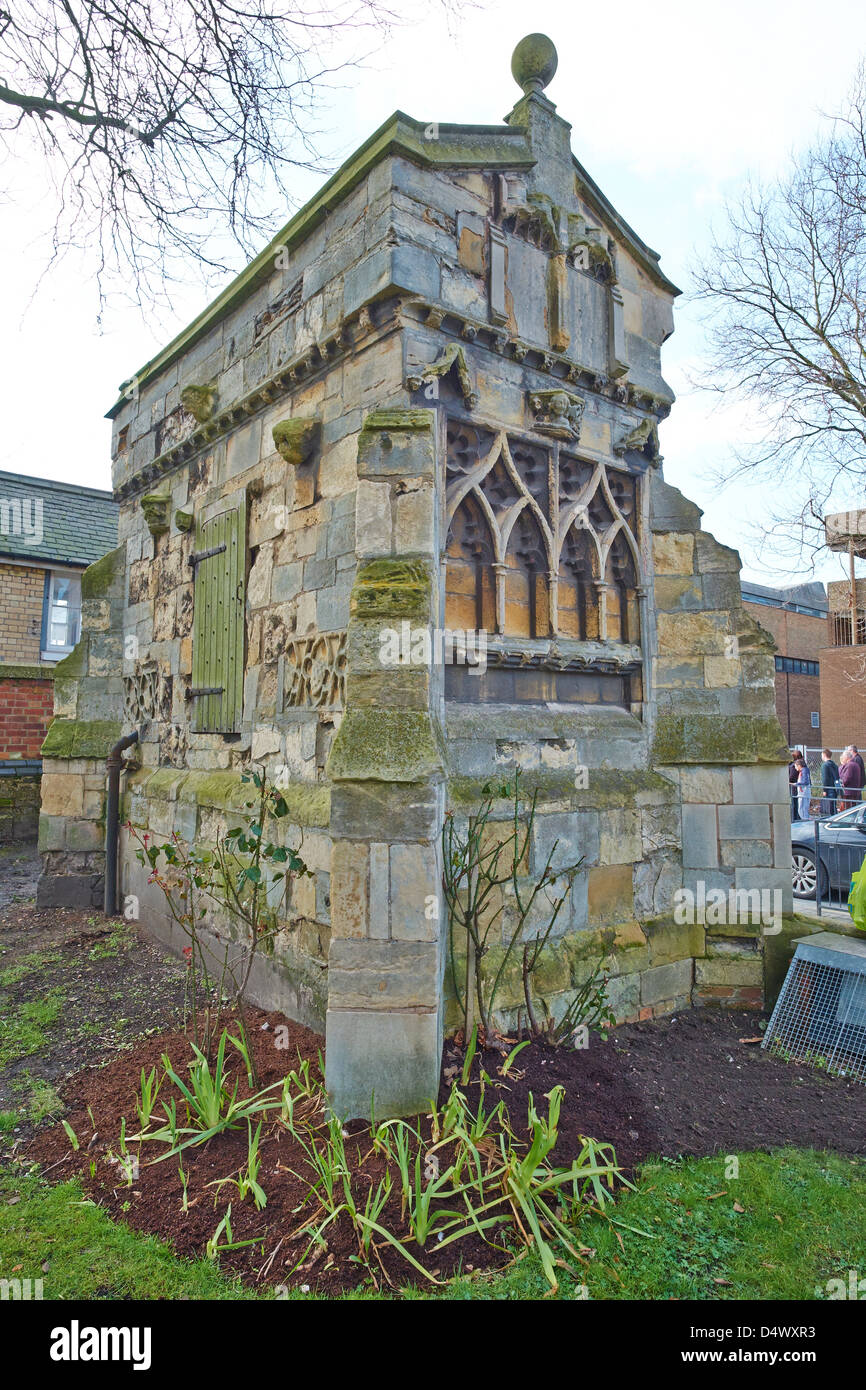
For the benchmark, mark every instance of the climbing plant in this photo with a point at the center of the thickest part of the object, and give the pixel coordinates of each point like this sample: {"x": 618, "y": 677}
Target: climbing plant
{"x": 478, "y": 863}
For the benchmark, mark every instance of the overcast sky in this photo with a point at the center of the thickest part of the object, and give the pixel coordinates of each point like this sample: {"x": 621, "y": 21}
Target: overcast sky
{"x": 671, "y": 105}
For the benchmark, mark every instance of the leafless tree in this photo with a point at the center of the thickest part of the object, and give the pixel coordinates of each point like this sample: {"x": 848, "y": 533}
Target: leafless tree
{"x": 785, "y": 290}
{"x": 172, "y": 128}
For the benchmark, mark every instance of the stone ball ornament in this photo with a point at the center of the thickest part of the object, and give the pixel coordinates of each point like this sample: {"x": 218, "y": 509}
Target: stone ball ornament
{"x": 534, "y": 62}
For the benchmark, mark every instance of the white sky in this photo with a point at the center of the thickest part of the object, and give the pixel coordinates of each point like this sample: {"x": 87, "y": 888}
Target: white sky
{"x": 671, "y": 105}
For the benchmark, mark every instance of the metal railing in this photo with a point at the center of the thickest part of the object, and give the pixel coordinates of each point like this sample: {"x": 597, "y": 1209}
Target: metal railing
{"x": 849, "y": 858}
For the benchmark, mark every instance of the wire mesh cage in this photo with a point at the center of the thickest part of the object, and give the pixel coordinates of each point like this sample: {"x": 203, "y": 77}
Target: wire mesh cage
{"x": 820, "y": 1014}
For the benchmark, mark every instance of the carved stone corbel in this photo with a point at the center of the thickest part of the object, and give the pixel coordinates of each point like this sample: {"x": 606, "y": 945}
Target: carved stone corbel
{"x": 200, "y": 401}
{"x": 643, "y": 438}
{"x": 557, "y": 413}
{"x": 296, "y": 439}
{"x": 453, "y": 359}
{"x": 157, "y": 512}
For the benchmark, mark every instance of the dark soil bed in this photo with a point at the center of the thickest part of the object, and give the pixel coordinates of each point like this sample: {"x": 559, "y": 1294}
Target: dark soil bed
{"x": 101, "y": 983}
{"x": 684, "y": 1085}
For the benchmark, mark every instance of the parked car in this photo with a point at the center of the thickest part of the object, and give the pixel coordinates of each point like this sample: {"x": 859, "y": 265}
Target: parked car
{"x": 842, "y": 842}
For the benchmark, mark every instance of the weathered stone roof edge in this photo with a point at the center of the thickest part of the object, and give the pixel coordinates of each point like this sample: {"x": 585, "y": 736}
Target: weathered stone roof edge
{"x": 502, "y": 146}
{"x": 649, "y": 258}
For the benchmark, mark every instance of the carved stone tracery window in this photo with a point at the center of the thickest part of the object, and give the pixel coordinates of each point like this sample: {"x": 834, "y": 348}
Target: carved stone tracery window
{"x": 542, "y": 551}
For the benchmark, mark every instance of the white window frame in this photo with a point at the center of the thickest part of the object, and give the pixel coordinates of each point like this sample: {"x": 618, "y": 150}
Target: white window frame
{"x": 58, "y": 653}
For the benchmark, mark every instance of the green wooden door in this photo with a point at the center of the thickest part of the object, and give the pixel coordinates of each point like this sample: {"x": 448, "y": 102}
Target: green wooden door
{"x": 218, "y": 621}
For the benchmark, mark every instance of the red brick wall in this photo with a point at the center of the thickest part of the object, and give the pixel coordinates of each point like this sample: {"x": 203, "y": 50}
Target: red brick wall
{"x": 796, "y": 635}
{"x": 843, "y": 696}
{"x": 796, "y": 697}
{"x": 26, "y": 710}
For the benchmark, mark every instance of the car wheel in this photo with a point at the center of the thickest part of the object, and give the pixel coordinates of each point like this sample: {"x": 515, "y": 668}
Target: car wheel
{"x": 803, "y": 874}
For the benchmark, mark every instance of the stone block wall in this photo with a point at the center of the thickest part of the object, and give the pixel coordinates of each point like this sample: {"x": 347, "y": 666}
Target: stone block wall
{"x": 19, "y": 803}
{"x": 386, "y": 962}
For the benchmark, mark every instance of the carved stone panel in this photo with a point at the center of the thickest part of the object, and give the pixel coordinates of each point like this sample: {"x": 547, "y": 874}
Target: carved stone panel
{"x": 314, "y": 671}
{"x": 147, "y": 695}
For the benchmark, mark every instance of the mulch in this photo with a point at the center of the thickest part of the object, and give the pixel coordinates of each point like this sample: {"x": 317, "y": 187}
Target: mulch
{"x": 696, "y": 1083}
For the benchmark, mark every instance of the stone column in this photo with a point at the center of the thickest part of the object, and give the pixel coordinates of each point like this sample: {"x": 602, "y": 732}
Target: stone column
{"x": 386, "y": 961}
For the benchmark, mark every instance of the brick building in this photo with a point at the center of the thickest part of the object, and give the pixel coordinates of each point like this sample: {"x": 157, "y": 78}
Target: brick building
{"x": 49, "y": 533}
{"x": 796, "y": 618}
{"x": 843, "y": 669}
{"x": 843, "y": 662}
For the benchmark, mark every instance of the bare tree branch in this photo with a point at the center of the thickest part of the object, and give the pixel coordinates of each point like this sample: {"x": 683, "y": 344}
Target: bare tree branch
{"x": 171, "y": 129}
{"x": 785, "y": 290}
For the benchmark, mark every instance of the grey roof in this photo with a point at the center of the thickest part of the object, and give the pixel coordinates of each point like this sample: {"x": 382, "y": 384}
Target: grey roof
{"x": 48, "y": 521}
{"x": 811, "y": 595}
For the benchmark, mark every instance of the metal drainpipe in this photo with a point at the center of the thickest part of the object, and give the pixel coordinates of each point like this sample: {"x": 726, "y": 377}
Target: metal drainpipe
{"x": 114, "y": 764}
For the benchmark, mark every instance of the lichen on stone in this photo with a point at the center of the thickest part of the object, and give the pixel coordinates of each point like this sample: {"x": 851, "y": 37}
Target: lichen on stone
{"x": 392, "y": 589}
{"x": 81, "y": 738}
{"x": 97, "y": 579}
{"x": 385, "y": 745}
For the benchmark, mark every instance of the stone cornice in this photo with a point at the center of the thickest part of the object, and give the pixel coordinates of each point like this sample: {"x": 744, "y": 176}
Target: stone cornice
{"x": 372, "y": 323}
{"x": 432, "y": 145}
{"x": 562, "y": 370}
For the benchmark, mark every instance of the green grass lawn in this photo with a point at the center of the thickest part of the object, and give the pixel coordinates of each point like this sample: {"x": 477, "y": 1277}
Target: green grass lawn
{"x": 801, "y": 1224}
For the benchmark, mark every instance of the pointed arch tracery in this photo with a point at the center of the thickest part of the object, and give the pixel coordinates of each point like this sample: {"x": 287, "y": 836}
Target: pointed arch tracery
{"x": 541, "y": 543}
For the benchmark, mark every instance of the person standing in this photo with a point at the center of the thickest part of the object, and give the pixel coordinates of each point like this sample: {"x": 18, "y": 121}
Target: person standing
{"x": 804, "y": 788}
{"x": 849, "y": 776}
{"x": 859, "y": 761}
{"x": 792, "y": 784}
{"x": 829, "y": 780}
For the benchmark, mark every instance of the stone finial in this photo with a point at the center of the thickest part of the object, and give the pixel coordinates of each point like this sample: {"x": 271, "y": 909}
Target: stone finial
{"x": 533, "y": 63}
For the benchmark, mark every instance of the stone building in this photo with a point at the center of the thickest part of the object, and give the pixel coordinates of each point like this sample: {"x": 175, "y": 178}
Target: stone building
{"x": 431, "y": 403}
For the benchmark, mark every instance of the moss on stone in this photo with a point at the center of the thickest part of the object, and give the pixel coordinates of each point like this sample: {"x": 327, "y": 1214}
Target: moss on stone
{"x": 770, "y": 744}
{"x": 717, "y": 739}
{"x": 98, "y": 578}
{"x": 606, "y": 788}
{"x": 385, "y": 745}
{"x": 309, "y": 803}
{"x": 398, "y": 420}
{"x": 392, "y": 589}
{"x": 165, "y": 783}
{"x": 26, "y": 673}
{"x": 74, "y": 666}
{"x": 81, "y": 738}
